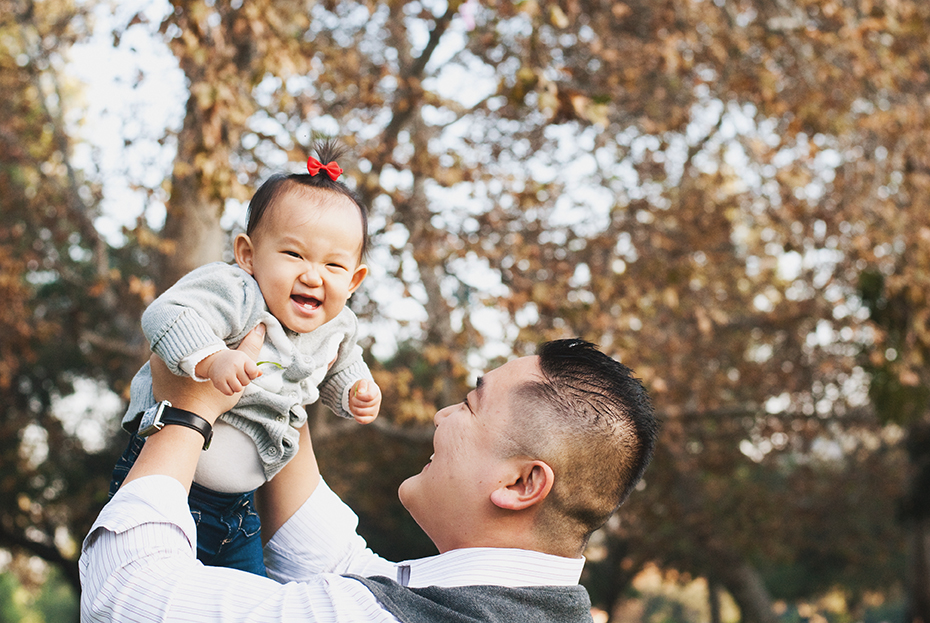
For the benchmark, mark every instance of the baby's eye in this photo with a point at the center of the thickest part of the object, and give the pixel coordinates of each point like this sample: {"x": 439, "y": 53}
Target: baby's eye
{"x": 292, "y": 254}
{"x": 337, "y": 266}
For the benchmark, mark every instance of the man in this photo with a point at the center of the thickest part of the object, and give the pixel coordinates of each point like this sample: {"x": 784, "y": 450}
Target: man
{"x": 525, "y": 468}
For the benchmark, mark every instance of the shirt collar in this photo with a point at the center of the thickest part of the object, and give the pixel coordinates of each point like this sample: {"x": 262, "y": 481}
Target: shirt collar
{"x": 490, "y": 565}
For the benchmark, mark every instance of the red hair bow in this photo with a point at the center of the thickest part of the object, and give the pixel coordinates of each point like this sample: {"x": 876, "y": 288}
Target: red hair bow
{"x": 332, "y": 169}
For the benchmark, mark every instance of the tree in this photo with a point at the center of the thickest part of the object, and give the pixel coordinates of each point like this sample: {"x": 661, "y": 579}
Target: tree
{"x": 700, "y": 187}
{"x": 69, "y": 312}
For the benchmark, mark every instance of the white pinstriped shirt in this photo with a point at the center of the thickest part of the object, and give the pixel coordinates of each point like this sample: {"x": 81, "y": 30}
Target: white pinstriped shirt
{"x": 138, "y": 564}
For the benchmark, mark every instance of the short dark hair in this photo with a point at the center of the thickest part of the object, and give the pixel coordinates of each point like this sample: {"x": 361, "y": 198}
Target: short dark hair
{"x": 269, "y": 192}
{"x": 592, "y": 421}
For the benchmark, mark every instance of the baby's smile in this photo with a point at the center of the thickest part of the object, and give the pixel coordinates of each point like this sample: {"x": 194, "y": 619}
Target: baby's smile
{"x": 306, "y": 301}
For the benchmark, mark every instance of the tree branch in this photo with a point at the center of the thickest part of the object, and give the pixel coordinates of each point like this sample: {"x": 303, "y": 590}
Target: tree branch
{"x": 403, "y": 107}
{"x": 49, "y": 553}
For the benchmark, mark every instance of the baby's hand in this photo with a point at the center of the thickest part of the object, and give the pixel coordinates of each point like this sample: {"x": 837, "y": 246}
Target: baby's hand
{"x": 230, "y": 370}
{"x": 365, "y": 401}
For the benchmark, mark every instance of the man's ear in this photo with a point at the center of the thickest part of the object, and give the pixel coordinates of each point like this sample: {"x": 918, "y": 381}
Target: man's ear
{"x": 529, "y": 485}
{"x": 244, "y": 252}
{"x": 358, "y": 277}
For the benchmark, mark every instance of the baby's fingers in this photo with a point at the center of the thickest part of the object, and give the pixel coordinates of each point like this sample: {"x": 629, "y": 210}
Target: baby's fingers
{"x": 361, "y": 392}
{"x": 251, "y": 371}
{"x": 223, "y": 386}
{"x": 228, "y": 389}
{"x": 238, "y": 382}
{"x": 365, "y": 419}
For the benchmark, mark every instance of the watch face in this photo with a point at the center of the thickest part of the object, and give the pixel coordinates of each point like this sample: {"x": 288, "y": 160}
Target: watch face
{"x": 151, "y": 421}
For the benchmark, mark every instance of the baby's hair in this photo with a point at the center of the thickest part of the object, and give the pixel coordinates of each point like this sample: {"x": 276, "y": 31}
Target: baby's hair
{"x": 327, "y": 151}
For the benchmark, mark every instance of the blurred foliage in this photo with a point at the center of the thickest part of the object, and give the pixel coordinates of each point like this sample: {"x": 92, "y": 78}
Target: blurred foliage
{"x": 730, "y": 196}
{"x": 52, "y": 601}
{"x": 69, "y": 310}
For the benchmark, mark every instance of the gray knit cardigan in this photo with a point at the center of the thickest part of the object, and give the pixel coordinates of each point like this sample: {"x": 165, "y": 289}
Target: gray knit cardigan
{"x": 219, "y": 304}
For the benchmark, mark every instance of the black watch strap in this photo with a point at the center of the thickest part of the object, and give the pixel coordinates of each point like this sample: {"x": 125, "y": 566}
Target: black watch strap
{"x": 168, "y": 414}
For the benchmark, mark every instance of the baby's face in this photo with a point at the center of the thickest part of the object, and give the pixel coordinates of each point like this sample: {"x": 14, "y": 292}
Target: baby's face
{"x": 305, "y": 257}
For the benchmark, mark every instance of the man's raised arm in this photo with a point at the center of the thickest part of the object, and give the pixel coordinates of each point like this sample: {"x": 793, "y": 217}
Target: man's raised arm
{"x": 175, "y": 450}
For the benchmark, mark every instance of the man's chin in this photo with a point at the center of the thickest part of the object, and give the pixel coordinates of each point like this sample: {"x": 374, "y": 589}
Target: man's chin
{"x": 403, "y": 492}
{"x": 412, "y": 496}
{"x": 407, "y": 495}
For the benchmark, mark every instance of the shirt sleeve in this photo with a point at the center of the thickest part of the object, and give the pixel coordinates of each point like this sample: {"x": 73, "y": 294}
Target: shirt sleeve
{"x": 188, "y": 365}
{"x": 348, "y": 368}
{"x": 319, "y": 538}
{"x": 138, "y": 564}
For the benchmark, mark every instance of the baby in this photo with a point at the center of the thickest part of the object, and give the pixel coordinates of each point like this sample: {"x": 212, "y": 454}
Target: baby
{"x": 296, "y": 266}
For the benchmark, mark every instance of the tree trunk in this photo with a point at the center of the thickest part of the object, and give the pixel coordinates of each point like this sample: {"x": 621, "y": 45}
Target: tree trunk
{"x": 920, "y": 571}
{"x": 192, "y": 226}
{"x": 744, "y": 584}
{"x": 713, "y": 600}
{"x": 916, "y": 511}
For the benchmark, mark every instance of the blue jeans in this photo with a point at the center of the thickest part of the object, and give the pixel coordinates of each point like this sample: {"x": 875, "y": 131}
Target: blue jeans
{"x": 228, "y": 528}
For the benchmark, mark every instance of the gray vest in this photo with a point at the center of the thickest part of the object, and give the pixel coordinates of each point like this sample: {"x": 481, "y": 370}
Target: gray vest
{"x": 481, "y": 604}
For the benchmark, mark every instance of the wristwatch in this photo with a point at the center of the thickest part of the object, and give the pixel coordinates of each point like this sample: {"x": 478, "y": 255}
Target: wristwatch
{"x": 160, "y": 415}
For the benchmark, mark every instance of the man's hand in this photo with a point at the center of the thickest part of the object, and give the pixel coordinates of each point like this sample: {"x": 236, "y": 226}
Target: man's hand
{"x": 364, "y": 401}
{"x": 230, "y": 370}
{"x": 174, "y": 450}
{"x": 202, "y": 398}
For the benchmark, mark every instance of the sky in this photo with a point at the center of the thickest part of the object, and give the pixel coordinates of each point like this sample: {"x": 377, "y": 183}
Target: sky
{"x": 132, "y": 94}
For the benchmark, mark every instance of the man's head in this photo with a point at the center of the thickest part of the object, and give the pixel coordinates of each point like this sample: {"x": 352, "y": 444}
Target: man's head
{"x": 538, "y": 456}
{"x": 304, "y": 245}
{"x": 592, "y": 421}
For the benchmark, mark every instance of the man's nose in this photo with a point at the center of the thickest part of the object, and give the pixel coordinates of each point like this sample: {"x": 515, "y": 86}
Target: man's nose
{"x": 442, "y": 414}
